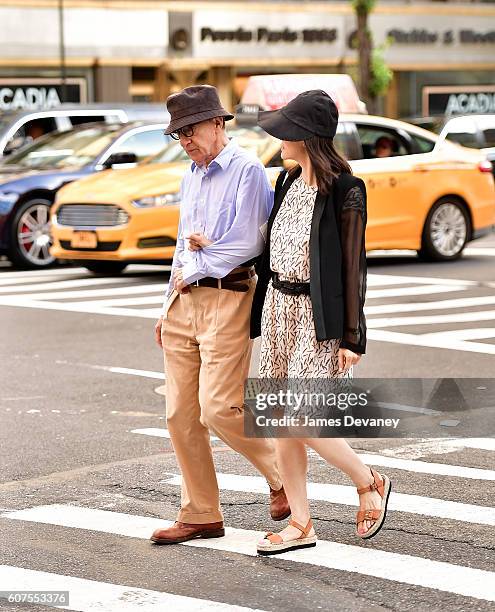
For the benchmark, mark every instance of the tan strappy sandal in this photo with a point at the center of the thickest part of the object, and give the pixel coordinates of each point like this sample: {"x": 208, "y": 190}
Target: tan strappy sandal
{"x": 383, "y": 486}
{"x": 273, "y": 544}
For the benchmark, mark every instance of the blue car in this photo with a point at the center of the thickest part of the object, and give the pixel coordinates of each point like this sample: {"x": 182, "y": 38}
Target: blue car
{"x": 31, "y": 177}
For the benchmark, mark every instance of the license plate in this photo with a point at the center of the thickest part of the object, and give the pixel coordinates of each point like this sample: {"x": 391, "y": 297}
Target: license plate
{"x": 86, "y": 240}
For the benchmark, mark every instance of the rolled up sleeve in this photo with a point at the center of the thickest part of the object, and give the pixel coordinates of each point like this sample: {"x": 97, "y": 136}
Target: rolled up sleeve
{"x": 244, "y": 239}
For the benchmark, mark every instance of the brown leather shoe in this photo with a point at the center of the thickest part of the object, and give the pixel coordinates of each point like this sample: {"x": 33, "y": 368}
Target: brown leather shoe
{"x": 279, "y": 506}
{"x": 182, "y": 532}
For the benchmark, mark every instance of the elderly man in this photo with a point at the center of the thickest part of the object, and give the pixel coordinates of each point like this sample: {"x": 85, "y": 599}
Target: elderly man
{"x": 204, "y": 328}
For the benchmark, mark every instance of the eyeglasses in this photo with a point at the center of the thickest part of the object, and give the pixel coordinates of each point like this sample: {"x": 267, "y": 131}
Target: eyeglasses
{"x": 187, "y": 131}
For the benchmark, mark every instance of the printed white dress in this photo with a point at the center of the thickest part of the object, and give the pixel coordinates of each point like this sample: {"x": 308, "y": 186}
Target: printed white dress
{"x": 289, "y": 348}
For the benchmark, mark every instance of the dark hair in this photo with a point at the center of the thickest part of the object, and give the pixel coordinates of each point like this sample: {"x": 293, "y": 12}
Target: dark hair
{"x": 390, "y": 141}
{"x": 327, "y": 162}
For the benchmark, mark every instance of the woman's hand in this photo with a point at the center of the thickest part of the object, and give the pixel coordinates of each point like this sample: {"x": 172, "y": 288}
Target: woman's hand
{"x": 197, "y": 241}
{"x": 347, "y": 359}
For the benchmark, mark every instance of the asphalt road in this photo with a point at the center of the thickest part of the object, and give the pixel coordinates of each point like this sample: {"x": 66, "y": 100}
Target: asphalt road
{"x": 88, "y": 472}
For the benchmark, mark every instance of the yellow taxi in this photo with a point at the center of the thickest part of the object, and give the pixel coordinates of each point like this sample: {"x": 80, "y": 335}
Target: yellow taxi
{"x": 424, "y": 194}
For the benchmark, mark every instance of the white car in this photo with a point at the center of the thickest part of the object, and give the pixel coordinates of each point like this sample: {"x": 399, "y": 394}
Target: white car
{"x": 472, "y": 131}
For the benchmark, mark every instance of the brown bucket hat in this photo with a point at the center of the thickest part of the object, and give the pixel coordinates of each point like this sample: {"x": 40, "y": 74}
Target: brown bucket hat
{"x": 194, "y": 104}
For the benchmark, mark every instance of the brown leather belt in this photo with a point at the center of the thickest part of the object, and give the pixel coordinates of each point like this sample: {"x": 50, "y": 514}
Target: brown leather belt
{"x": 227, "y": 282}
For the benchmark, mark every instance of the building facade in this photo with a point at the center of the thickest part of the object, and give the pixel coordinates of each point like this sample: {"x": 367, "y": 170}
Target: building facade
{"x": 442, "y": 53}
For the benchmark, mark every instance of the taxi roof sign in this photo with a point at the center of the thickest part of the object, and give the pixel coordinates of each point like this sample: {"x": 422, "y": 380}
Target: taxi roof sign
{"x": 272, "y": 91}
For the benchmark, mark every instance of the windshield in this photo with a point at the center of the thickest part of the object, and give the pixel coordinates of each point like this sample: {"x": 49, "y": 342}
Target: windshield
{"x": 61, "y": 150}
{"x": 254, "y": 140}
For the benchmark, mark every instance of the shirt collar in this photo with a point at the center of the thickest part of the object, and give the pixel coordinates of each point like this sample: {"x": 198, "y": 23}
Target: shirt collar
{"x": 223, "y": 159}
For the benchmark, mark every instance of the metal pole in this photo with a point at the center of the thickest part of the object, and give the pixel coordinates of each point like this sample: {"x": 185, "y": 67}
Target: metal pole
{"x": 63, "y": 73}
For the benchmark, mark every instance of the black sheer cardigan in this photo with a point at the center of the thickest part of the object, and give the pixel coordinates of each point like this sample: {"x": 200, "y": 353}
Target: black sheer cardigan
{"x": 338, "y": 268}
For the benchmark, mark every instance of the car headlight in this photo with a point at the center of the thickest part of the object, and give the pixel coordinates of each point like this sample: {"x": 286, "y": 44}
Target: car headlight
{"x": 165, "y": 199}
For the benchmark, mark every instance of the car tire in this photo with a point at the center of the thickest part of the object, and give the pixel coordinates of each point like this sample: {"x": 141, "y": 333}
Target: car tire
{"x": 30, "y": 235}
{"x": 106, "y": 268}
{"x": 446, "y": 231}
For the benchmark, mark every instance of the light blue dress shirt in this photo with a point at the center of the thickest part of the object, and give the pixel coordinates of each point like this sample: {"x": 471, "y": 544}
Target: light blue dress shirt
{"x": 229, "y": 202}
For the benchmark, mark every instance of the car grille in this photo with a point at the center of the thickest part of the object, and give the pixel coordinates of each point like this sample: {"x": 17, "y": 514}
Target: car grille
{"x": 91, "y": 215}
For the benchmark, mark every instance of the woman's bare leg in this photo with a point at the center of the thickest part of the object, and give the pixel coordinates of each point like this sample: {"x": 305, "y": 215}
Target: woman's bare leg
{"x": 292, "y": 461}
{"x": 341, "y": 455}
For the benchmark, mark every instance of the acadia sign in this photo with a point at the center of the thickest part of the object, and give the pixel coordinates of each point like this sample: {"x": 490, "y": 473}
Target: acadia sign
{"x": 39, "y": 94}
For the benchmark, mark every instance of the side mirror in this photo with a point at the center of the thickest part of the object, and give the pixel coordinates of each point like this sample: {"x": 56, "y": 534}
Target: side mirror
{"x": 118, "y": 159}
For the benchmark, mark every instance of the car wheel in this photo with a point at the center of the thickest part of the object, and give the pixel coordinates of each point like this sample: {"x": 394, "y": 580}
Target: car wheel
{"x": 105, "y": 267}
{"x": 446, "y": 231}
{"x": 31, "y": 238}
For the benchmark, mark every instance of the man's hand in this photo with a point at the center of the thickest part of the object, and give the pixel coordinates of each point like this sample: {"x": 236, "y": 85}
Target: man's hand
{"x": 347, "y": 359}
{"x": 179, "y": 285}
{"x": 197, "y": 241}
{"x": 158, "y": 332}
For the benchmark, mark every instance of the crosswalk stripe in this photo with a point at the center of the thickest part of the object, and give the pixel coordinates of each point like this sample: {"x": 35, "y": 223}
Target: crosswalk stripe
{"x": 425, "y": 467}
{"x": 458, "y": 317}
{"x": 420, "y": 290}
{"x": 470, "y": 333}
{"x": 484, "y": 251}
{"x": 397, "y": 567}
{"x": 22, "y": 281}
{"x": 160, "y": 433}
{"x": 63, "y": 284}
{"x": 482, "y": 300}
{"x": 440, "y": 446}
{"x": 54, "y": 295}
{"x": 479, "y": 443}
{"x": 393, "y": 279}
{"x": 468, "y": 252}
{"x": 92, "y": 596}
{"x": 145, "y": 313}
{"x": 136, "y": 301}
{"x": 43, "y": 273}
{"x": 383, "y": 335}
{"x": 131, "y": 371}
{"x": 420, "y": 467}
{"x": 346, "y": 495}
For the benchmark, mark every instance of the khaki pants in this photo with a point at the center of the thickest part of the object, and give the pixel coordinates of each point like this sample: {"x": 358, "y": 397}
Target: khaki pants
{"x": 207, "y": 353}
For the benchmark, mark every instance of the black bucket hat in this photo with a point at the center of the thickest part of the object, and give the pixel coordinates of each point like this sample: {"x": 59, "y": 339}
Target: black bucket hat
{"x": 194, "y": 104}
{"x": 311, "y": 113}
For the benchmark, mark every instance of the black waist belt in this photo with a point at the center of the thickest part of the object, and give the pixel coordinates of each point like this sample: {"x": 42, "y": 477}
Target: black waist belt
{"x": 289, "y": 288}
{"x": 228, "y": 282}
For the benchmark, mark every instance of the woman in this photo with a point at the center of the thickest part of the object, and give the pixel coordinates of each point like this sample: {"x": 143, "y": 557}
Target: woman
{"x": 308, "y": 305}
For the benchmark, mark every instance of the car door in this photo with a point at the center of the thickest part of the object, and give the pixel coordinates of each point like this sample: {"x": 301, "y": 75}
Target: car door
{"x": 393, "y": 186}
